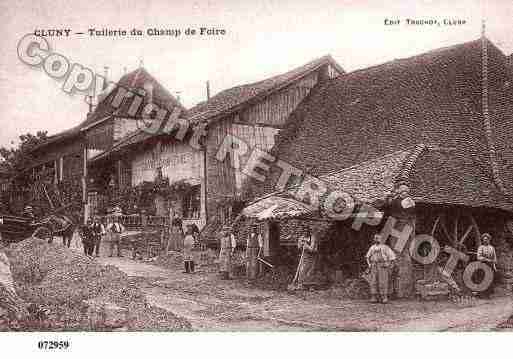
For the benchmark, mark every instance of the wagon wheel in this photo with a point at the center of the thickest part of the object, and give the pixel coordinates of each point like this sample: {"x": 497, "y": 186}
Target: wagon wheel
{"x": 458, "y": 229}
{"x": 43, "y": 229}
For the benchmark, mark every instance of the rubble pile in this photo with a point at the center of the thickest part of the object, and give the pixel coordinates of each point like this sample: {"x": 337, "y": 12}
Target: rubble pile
{"x": 12, "y": 307}
{"x": 68, "y": 291}
{"x": 350, "y": 288}
{"x": 356, "y": 288}
{"x": 277, "y": 279}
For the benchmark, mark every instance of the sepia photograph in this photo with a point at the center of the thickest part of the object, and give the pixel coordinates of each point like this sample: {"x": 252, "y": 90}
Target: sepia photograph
{"x": 255, "y": 167}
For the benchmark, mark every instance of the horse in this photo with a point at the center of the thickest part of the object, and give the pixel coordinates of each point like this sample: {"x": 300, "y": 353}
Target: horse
{"x": 63, "y": 226}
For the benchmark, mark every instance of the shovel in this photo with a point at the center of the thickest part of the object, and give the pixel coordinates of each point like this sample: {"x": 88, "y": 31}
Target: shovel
{"x": 292, "y": 286}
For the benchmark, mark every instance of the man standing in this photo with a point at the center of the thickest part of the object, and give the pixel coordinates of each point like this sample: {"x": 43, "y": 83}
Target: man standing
{"x": 486, "y": 254}
{"x": 227, "y": 245}
{"x": 98, "y": 230}
{"x": 254, "y": 245}
{"x": 176, "y": 234}
{"x": 379, "y": 259}
{"x": 188, "y": 246}
{"x": 87, "y": 237}
{"x": 115, "y": 230}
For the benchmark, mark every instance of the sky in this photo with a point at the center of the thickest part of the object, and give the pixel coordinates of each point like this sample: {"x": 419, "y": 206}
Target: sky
{"x": 262, "y": 39}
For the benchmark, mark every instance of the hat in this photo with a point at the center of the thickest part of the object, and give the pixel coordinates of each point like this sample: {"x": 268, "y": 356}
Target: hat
{"x": 486, "y": 236}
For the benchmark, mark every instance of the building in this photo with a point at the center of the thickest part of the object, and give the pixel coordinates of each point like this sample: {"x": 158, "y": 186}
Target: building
{"x": 58, "y": 173}
{"x": 114, "y": 123}
{"x": 199, "y": 187}
{"x": 439, "y": 122}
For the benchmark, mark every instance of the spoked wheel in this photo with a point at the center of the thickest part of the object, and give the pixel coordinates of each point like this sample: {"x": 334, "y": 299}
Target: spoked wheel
{"x": 457, "y": 229}
{"x": 43, "y": 232}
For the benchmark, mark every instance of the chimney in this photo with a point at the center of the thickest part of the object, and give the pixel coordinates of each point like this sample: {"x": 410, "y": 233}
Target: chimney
{"x": 106, "y": 76}
{"x": 89, "y": 100}
{"x": 178, "y": 95}
{"x": 208, "y": 90}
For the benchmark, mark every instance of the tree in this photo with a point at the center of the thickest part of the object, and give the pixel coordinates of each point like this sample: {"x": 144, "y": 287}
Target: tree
{"x": 14, "y": 158}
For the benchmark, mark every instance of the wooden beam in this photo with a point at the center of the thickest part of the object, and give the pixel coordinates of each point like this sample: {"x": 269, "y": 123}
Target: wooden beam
{"x": 435, "y": 225}
{"x": 456, "y": 228}
{"x": 466, "y": 234}
{"x": 476, "y": 227}
{"x": 446, "y": 232}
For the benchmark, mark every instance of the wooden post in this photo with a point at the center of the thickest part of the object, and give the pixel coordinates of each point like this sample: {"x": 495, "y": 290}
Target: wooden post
{"x": 84, "y": 184}
{"x": 55, "y": 172}
{"x": 61, "y": 168}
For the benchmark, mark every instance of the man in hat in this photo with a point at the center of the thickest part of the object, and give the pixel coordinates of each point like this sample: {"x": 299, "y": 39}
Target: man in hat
{"x": 115, "y": 229}
{"x": 379, "y": 259}
{"x": 98, "y": 230}
{"x": 486, "y": 254}
{"x": 227, "y": 248}
{"x": 87, "y": 237}
{"x": 254, "y": 245}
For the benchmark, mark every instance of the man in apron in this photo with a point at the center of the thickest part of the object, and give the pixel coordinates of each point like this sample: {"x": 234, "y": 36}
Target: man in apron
{"x": 98, "y": 231}
{"x": 115, "y": 230}
{"x": 86, "y": 234}
{"x": 176, "y": 234}
{"x": 379, "y": 258}
{"x": 227, "y": 248}
{"x": 254, "y": 245}
{"x": 486, "y": 254}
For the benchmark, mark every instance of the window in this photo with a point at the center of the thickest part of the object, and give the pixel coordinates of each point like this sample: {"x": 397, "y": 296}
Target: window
{"x": 192, "y": 203}
{"x": 92, "y": 198}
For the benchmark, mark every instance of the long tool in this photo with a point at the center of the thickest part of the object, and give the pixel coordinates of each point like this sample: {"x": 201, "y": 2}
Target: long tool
{"x": 292, "y": 286}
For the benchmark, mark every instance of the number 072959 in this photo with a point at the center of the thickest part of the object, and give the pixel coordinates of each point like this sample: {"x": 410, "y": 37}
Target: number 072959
{"x": 53, "y": 344}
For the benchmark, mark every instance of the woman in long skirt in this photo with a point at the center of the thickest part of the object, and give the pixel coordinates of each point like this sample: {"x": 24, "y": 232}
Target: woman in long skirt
{"x": 227, "y": 247}
{"x": 188, "y": 255}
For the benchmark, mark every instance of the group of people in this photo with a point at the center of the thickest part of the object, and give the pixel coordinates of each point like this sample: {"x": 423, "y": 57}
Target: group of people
{"x": 308, "y": 244}
{"x": 93, "y": 232}
{"x": 380, "y": 259}
{"x": 228, "y": 245}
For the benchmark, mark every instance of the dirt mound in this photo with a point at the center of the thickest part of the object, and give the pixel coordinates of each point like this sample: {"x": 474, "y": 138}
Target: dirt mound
{"x": 170, "y": 260}
{"x": 277, "y": 279}
{"x": 57, "y": 281}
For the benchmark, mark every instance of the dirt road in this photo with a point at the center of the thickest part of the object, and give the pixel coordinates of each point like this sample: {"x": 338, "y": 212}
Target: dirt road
{"x": 215, "y": 305}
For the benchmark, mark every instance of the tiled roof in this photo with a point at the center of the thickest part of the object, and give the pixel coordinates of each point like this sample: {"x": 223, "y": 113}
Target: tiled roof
{"x": 230, "y": 100}
{"x": 137, "y": 137}
{"x": 4, "y": 171}
{"x": 434, "y": 98}
{"x": 135, "y": 80}
{"x": 372, "y": 180}
{"x": 65, "y": 135}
